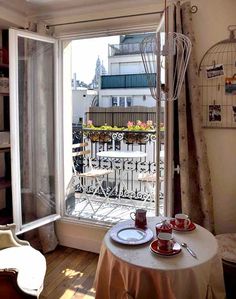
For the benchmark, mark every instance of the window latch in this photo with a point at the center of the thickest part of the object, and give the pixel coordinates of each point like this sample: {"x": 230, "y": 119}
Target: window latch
{"x": 177, "y": 169}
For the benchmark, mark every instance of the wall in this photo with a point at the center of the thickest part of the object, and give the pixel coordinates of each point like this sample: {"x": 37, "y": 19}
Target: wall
{"x": 210, "y": 26}
{"x": 82, "y": 100}
{"x": 136, "y": 94}
{"x": 84, "y": 236}
{"x": 116, "y": 64}
{"x": 136, "y": 100}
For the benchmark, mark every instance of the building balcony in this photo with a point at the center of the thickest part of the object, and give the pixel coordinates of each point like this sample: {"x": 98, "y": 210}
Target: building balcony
{"x": 124, "y": 197}
{"x": 128, "y": 81}
{"x": 125, "y": 49}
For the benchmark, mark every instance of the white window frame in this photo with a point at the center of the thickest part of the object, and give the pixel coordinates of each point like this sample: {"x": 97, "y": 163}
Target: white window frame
{"x": 168, "y": 160}
{"x": 119, "y": 98}
{"x": 14, "y": 133}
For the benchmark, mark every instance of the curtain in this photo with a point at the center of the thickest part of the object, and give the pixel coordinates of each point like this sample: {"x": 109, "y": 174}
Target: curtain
{"x": 195, "y": 184}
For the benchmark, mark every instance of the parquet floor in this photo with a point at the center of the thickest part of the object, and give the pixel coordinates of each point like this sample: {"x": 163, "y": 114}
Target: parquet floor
{"x": 70, "y": 274}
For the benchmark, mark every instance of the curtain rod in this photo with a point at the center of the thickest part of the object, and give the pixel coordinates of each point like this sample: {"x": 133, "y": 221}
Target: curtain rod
{"x": 105, "y": 19}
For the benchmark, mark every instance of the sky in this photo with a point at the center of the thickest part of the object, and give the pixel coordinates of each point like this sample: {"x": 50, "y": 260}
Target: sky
{"x": 85, "y": 53}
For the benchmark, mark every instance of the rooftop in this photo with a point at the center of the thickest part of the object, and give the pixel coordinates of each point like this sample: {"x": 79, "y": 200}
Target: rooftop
{"x": 133, "y": 38}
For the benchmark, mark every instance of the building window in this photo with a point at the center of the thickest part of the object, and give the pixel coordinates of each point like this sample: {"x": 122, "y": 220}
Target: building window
{"x": 114, "y": 101}
{"x": 129, "y": 101}
{"x": 121, "y": 101}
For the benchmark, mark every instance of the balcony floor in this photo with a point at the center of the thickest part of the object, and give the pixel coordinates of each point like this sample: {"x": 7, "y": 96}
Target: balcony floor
{"x": 110, "y": 212}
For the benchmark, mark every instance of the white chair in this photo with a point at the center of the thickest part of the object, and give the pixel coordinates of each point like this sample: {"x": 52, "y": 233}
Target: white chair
{"x": 149, "y": 180}
{"x": 81, "y": 178}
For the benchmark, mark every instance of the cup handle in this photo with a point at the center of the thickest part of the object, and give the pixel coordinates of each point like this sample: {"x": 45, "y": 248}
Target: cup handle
{"x": 188, "y": 222}
{"x": 132, "y": 214}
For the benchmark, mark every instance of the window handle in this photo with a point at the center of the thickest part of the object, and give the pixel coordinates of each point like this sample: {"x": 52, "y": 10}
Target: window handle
{"x": 177, "y": 169}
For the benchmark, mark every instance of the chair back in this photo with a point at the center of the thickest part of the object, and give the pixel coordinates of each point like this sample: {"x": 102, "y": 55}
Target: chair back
{"x": 79, "y": 150}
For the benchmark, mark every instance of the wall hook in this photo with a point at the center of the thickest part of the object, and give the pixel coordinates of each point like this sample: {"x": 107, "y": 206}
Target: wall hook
{"x": 194, "y": 9}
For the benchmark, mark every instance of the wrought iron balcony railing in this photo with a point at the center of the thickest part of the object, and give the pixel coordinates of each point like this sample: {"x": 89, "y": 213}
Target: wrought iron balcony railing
{"x": 101, "y": 140}
{"x": 123, "y": 197}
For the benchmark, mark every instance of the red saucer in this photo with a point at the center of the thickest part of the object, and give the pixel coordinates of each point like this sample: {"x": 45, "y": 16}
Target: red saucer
{"x": 191, "y": 227}
{"x": 176, "y": 249}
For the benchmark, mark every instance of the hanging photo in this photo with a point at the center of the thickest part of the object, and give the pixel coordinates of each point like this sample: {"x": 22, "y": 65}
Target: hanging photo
{"x": 230, "y": 85}
{"x": 215, "y": 71}
{"x": 234, "y": 113}
{"x": 215, "y": 113}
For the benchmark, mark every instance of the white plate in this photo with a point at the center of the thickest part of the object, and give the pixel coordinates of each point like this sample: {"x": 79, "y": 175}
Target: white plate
{"x": 130, "y": 235}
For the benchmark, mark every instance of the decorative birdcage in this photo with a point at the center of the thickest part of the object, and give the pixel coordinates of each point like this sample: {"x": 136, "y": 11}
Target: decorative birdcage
{"x": 217, "y": 73}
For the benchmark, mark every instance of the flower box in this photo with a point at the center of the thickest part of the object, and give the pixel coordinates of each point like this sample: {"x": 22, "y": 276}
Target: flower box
{"x": 139, "y": 132}
{"x": 138, "y": 137}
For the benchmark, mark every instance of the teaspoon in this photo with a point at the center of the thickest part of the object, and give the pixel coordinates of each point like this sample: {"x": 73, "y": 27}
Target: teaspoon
{"x": 189, "y": 250}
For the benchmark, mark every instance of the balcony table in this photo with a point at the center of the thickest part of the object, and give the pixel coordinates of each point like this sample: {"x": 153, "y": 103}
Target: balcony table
{"x": 133, "y": 271}
{"x": 121, "y": 154}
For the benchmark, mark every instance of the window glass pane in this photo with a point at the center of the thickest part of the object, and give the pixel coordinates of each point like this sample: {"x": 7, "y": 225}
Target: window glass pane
{"x": 36, "y": 128}
{"x": 122, "y": 101}
{"x": 114, "y": 101}
{"x": 129, "y": 101}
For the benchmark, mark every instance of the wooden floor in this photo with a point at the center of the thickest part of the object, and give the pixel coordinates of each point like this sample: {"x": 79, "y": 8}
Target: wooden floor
{"x": 70, "y": 274}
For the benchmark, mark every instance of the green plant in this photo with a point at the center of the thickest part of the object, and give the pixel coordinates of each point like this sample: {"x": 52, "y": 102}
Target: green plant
{"x": 131, "y": 126}
{"x": 105, "y": 127}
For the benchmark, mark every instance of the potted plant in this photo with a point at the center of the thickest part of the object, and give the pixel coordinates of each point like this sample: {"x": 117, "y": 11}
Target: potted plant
{"x": 98, "y": 134}
{"x": 137, "y": 131}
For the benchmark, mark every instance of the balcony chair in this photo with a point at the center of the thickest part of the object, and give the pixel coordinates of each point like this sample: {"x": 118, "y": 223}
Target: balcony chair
{"x": 79, "y": 177}
{"x": 22, "y": 268}
{"x": 227, "y": 249}
{"x": 149, "y": 180}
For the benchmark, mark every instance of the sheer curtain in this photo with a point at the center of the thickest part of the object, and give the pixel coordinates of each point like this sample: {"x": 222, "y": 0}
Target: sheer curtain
{"x": 195, "y": 196}
{"x": 37, "y": 147}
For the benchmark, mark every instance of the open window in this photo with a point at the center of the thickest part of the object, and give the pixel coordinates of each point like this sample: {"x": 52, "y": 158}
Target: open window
{"x": 41, "y": 127}
{"x": 35, "y": 129}
{"x": 101, "y": 114}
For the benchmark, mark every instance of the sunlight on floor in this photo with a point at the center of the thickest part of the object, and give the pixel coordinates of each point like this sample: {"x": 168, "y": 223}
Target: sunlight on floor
{"x": 108, "y": 212}
{"x": 71, "y": 273}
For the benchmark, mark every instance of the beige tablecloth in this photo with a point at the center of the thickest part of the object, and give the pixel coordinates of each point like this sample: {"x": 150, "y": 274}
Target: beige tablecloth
{"x": 126, "y": 271}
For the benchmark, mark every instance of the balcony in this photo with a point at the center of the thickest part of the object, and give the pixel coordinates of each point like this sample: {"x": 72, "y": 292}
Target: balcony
{"x": 137, "y": 194}
{"x": 128, "y": 81}
{"x": 125, "y": 49}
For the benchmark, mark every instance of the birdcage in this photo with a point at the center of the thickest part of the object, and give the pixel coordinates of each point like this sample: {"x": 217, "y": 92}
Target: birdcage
{"x": 217, "y": 73}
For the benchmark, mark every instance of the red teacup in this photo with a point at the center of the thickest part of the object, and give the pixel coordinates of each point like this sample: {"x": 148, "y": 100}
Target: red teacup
{"x": 165, "y": 242}
{"x": 163, "y": 227}
{"x": 139, "y": 218}
{"x": 182, "y": 221}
